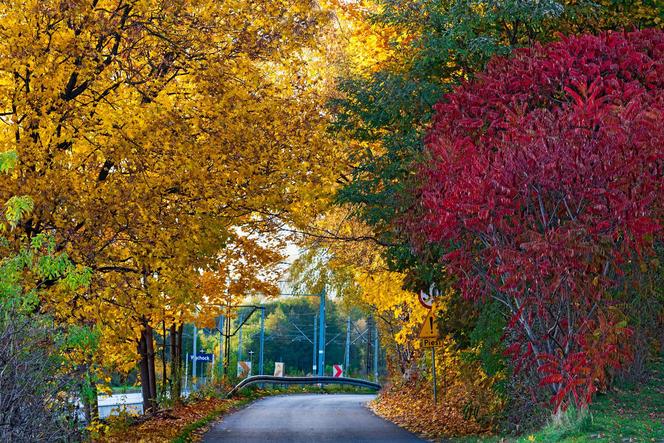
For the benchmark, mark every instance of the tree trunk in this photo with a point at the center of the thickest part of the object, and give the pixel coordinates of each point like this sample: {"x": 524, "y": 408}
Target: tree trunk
{"x": 176, "y": 363}
{"x": 151, "y": 365}
{"x": 178, "y": 345}
{"x": 164, "y": 378}
{"x": 89, "y": 398}
{"x": 148, "y": 382}
{"x": 171, "y": 336}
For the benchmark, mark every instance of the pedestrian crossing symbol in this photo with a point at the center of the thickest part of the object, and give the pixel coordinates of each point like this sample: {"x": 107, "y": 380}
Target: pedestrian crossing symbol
{"x": 429, "y": 326}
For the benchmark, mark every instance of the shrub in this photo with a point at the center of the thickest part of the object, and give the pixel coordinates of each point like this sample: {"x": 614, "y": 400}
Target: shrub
{"x": 544, "y": 183}
{"x": 38, "y": 392}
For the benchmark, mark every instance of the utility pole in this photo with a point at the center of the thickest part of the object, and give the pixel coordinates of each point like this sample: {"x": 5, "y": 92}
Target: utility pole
{"x": 195, "y": 353}
{"x": 347, "y": 352}
{"x": 241, "y": 319}
{"x": 321, "y": 338}
{"x": 314, "y": 370}
{"x": 260, "y": 352}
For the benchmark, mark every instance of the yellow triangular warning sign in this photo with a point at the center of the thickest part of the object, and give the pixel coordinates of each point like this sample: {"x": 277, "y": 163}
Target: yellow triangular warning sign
{"x": 429, "y": 327}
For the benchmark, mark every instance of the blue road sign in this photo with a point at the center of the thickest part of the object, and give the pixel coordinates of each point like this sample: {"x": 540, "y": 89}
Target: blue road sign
{"x": 202, "y": 357}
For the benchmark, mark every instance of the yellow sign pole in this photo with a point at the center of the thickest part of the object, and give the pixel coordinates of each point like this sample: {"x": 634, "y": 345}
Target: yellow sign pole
{"x": 445, "y": 385}
{"x": 430, "y": 337}
{"x": 433, "y": 370}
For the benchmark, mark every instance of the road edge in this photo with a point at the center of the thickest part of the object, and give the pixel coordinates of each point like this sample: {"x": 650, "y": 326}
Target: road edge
{"x": 195, "y": 431}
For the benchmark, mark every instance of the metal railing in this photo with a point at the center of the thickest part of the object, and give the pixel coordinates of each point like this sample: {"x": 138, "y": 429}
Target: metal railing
{"x": 324, "y": 380}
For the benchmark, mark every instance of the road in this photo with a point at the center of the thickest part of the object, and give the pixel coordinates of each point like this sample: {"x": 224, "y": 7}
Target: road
{"x": 307, "y": 418}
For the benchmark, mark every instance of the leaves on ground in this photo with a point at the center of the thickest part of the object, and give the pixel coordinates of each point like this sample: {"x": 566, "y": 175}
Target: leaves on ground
{"x": 168, "y": 424}
{"x": 411, "y": 406}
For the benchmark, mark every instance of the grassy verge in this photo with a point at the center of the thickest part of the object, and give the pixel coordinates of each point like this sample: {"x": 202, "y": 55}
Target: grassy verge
{"x": 193, "y": 430}
{"x": 326, "y": 389}
{"x": 629, "y": 413}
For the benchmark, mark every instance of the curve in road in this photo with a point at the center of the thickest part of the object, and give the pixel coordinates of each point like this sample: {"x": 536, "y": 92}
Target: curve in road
{"x": 308, "y": 418}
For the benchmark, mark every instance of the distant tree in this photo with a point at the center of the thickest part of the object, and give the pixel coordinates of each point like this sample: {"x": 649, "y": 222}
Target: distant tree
{"x": 284, "y": 342}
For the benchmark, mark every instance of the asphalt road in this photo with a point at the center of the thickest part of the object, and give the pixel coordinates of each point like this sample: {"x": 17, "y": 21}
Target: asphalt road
{"x": 307, "y": 418}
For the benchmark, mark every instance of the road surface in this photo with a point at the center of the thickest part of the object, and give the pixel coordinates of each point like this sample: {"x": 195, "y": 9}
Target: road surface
{"x": 307, "y": 418}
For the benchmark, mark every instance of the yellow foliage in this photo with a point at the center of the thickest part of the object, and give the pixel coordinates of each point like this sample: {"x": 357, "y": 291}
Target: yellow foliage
{"x": 383, "y": 290}
{"x": 162, "y": 142}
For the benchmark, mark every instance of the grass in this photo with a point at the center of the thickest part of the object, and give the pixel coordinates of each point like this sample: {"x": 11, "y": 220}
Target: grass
{"x": 325, "y": 389}
{"x": 629, "y": 413}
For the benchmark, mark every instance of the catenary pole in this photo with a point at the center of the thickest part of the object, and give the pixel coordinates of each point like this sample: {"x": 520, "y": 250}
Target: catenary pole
{"x": 195, "y": 353}
{"x": 375, "y": 356}
{"x": 228, "y": 347}
{"x": 347, "y": 352}
{"x": 262, "y": 345}
{"x": 367, "y": 361}
{"x": 186, "y": 372}
{"x": 314, "y": 370}
{"x": 321, "y": 331}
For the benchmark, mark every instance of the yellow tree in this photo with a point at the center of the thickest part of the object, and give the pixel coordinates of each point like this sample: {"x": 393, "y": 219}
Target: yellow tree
{"x": 154, "y": 134}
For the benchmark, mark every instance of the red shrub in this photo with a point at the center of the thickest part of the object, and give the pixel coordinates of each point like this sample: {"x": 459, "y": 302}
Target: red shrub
{"x": 545, "y": 183}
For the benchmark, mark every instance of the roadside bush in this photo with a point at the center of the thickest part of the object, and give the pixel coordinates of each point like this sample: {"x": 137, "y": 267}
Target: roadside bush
{"x": 544, "y": 184}
{"x": 37, "y": 397}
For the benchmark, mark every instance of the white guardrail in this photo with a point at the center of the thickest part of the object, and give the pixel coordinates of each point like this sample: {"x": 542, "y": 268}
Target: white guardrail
{"x": 131, "y": 402}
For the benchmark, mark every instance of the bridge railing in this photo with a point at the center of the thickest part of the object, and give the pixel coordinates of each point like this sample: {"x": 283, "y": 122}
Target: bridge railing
{"x": 325, "y": 380}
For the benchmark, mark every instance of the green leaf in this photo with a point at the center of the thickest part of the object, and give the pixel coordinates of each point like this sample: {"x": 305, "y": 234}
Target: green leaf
{"x": 17, "y": 208}
{"x": 8, "y": 161}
